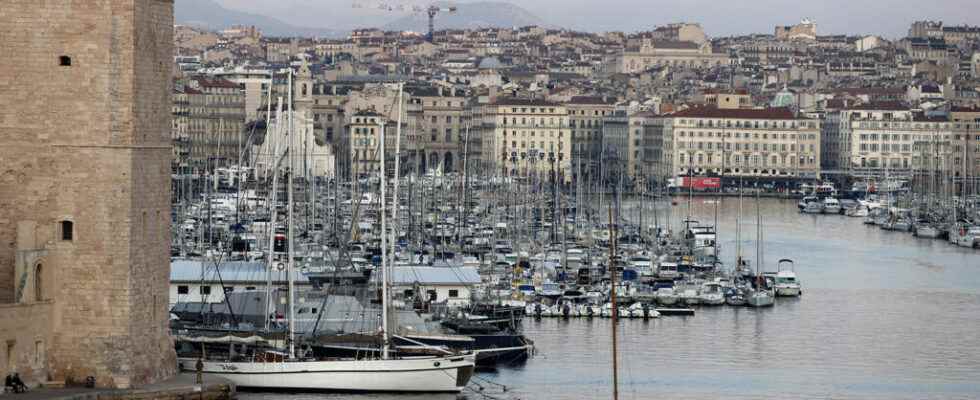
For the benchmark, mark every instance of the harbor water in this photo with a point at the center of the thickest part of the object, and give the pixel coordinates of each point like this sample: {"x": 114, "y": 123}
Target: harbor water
{"x": 883, "y": 315}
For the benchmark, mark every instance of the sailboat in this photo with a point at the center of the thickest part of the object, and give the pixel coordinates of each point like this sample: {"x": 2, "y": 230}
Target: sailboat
{"x": 761, "y": 296}
{"x": 292, "y": 371}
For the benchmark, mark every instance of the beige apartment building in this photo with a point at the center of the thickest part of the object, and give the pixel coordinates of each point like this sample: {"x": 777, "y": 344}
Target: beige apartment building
{"x": 585, "y": 121}
{"x": 529, "y": 137}
{"x": 905, "y": 147}
{"x": 208, "y": 121}
{"x": 764, "y": 144}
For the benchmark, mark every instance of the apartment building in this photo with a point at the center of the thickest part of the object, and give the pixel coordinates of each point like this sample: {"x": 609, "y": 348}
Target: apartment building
{"x": 209, "y": 120}
{"x": 772, "y": 144}
{"x": 529, "y": 137}
{"x": 585, "y": 123}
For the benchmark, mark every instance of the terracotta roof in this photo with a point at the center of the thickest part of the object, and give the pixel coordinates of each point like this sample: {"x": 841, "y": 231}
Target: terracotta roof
{"x": 591, "y": 100}
{"x": 216, "y": 83}
{"x": 740, "y": 113}
{"x": 964, "y": 109}
{"x": 511, "y": 101}
{"x": 880, "y": 105}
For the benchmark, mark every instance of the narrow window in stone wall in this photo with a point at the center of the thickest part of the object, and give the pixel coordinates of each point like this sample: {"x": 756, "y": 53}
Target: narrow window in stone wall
{"x": 67, "y": 230}
{"x": 38, "y": 283}
{"x": 39, "y": 353}
{"x": 10, "y": 354}
{"x": 64, "y": 61}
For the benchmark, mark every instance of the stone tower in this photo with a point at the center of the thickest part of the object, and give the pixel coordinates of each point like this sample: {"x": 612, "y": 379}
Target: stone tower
{"x": 84, "y": 190}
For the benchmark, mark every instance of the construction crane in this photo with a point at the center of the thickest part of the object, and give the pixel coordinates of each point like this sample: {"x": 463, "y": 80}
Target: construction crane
{"x": 431, "y": 10}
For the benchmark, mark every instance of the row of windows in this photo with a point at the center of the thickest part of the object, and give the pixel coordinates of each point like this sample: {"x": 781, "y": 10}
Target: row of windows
{"x": 550, "y": 145}
{"x": 700, "y": 123}
{"x": 551, "y": 134}
{"x": 909, "y": 125}
{"x": 533, "y": 110}
{"x": 743, "y": 146}
{"x": 740, "y": 135}
{"x": 524, "y": 121}
{"x": 738, "y": 159}
{"x": 885, "y": 147}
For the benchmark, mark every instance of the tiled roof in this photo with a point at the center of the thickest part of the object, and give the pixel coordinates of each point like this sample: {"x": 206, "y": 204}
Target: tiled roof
{"x": 740, "y": 113}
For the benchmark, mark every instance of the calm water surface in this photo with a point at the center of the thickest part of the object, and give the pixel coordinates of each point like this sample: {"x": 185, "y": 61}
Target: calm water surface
{"x": 883, "y": 316}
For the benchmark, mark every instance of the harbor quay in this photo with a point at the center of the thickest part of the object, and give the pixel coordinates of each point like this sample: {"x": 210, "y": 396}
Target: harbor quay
{"x": 181, "y": 387}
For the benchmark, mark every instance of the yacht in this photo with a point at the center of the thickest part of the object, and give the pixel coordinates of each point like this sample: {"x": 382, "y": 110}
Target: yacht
{"x": 925, "y": 230}
{"x": 787, "y": 283}
{"x": 760, "y": 297}
{"x": 807, "y": 200}
{"x": 276, "y": 371}
{"x": 667, "y": 297}
{"x": 858, "y": 211}
{"x": 815, "y": 207}
{"x": 668, "y": 270}
{"x": 712, "y": 294}
{"x": 969, "y": 236}
{"x": 831, "y": 206}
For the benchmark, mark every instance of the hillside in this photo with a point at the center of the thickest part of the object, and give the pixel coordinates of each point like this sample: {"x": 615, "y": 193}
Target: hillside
{"x": 471, "y": 15}
{"x": 211, "y": 15}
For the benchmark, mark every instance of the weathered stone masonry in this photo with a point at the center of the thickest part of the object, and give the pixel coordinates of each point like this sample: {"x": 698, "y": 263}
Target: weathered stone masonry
{"x": 84, "y": 148}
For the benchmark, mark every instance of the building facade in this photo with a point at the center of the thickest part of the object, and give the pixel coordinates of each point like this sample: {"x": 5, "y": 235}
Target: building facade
{"x": 758, "y": 144}
{"x": 529, "y": 138}
{"x": 585, "y": 123}
{"x": 209, "y": 114}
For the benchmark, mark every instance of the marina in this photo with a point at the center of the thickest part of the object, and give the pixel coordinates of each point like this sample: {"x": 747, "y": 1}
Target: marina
{"x": 684, "y": 286}
{"x": 881, "y": 306}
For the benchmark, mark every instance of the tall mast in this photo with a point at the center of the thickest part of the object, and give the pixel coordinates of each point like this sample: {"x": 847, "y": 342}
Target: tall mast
{"x": 273, "y": 215}
{"x": 612, "y": 297}
{"x": 289, "y": 226}
{"x": 384, "y": 250}
{"x": 394, "y": 196}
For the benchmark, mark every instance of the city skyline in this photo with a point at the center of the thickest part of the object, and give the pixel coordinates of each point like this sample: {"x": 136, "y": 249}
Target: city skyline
{"x": 888, "y": 18}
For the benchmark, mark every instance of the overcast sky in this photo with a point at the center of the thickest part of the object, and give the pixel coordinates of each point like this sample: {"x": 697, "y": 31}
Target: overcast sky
{"x": 890, "y": 18}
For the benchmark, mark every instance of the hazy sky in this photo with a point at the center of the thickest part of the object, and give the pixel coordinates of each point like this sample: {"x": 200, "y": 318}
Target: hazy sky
{"x": 890, "y": 18}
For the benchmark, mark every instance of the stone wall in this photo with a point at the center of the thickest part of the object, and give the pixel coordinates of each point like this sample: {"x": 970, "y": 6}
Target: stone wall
{"x": 88, "y": 143}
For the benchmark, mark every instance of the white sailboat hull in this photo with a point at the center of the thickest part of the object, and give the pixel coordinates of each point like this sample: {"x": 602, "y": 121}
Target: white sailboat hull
{"x": 430, "y": 374}
{"x": 760, "y": 300}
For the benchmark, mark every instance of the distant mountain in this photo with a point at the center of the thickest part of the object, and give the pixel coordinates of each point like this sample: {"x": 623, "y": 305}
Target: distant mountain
{"x": 211, "y": 15}
{"x": 470, "y": 15}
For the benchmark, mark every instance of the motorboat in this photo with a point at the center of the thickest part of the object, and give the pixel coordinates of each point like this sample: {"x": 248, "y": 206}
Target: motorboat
{"x": 689, "y": 296}
{"x": 968, "y": 236}
{"x": 815, "y": 207}
{"x": 787, "y": 283}
{"x": 666, "y": 296}
{"x": 668, "y": 270}
{"x": 807, "y": 200}
{"x": 858, "y": 211}
{"x": 760, "y": 298}
{"x": 926, "y": 230}
{"x": 735, "y": 297}
{"x": 830, "y": 206}
{"x": 712, "y": 294}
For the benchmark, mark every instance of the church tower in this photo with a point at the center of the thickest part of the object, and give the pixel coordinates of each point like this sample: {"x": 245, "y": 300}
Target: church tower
{"x": 84, "y": 190}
